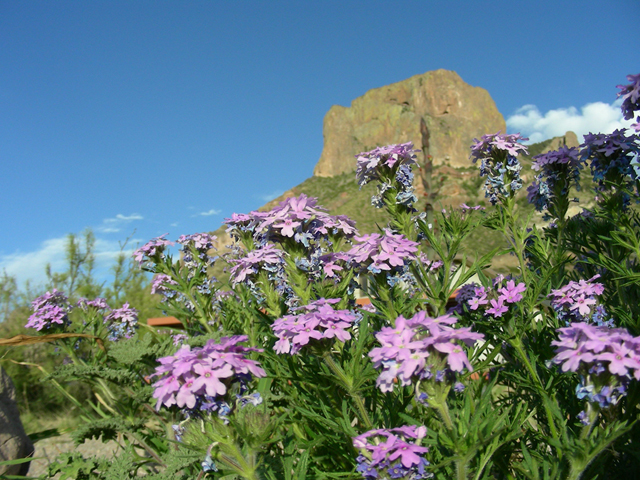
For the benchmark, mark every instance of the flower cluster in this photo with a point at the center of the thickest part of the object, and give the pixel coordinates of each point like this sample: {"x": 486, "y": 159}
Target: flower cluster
{"x": 631, "y": 98}
{"x": 390, "y": 253}
{"x": 268, "y": 258}
{"x": 301, "y": 228}
{"x": 298, "y": 218}
{"x": 383, "y": 162}
{"x": 122, "y": 322}
{"x": 421, "y": 347}
{"x": 498, "y": 162}
{"x": 152, "y": 250}
{"x": 576, "y": 302}
{"x": 318, "y": 321}
{"x": 559, "y": 169}
{"x": 605, "y": 358}
{"x": 198, "y": 379}
{"x": 495, "y": 301}
{"x": 97, "y": 304}
{"x": 195, "y": 252}
{"x": 614, "y": 158}
{"x": 50, "y": 311}
{"x": 161, "y": 284}
{"x": 391, "y": 165}
{"x": 392, "y": 453}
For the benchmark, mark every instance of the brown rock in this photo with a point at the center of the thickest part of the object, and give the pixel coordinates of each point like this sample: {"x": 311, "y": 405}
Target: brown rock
{"x": 14, "y": 442}
{"x": 569, "y": 139}
{"x": 437, "y": 111}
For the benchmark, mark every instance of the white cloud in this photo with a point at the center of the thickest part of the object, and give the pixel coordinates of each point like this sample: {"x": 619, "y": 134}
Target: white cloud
{"x": 207, "y": 214}
{"x": 119, "y": 218}
{"x": 597, "y": 117}
{"x": 271, "y": 196}
{"x": 112, "y": 225}
{"x": 31, "y": 265}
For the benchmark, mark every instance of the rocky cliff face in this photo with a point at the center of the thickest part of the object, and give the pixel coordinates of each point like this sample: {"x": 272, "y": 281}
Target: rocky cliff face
{"x": 437, "y": 111}
{"x": 569, "y": 139}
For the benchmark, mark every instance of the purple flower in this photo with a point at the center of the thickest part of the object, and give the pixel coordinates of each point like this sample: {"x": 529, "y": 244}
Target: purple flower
{"x": 559, "y": 170}
{"x": 392, "y": 453}
{"x": 409, "y": 350}
{"x": 199, "y": 379}
{"x": 497, "y": 307}
{"x": 497, "y": 154}
{"x": 50, "y": 312}
{"x": 97, "y": 304}
{"x": 318, "y": 321}
{"x": 512, "y": 292}
{"x": 576, "y": 300}
{"x": 630, "y": 96}
{"x": 122, "y": 322}
{"x": 613, "y": 159}
{"x": 160, "y": 284}
{"x": 389, "y": 252}
{"x": 371, "y": 164}
{"x": 605, "y": 358}
{"x": 152, "y": 249}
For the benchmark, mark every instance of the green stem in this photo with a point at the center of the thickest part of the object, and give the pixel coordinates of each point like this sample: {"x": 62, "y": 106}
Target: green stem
{"x": 348, "y": 385}
{"x": 534, "y": 375}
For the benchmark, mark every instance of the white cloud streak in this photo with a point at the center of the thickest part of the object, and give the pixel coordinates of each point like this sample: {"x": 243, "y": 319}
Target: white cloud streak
{"x": 597, "y": 117}
{"x": 207, "y": 214}
{"x": 113, "y": 225}
{"x": 30, "y": 266}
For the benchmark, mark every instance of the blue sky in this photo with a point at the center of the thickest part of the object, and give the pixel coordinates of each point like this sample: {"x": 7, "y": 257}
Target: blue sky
{"x": 168, "y": 116}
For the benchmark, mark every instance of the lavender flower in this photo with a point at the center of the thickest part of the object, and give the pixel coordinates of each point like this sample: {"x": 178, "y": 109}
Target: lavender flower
{"x": 297, "y": 218}
{"x": 122, "y": 322}
{"x": 153, "y": 249}
{"x": 605, "y": 358}
{"x": 389, "y": 252}
{"x": 50, "y": 312}
{"x": 630, "y": 96}
{"x": 199, "y": 379}
{"x": 414, "y": 347}
{"x": 195, "y": 252}
{"x": 494, "y": 302}
{"x": 392, "y": 453}
{"x": 381, "y": 160}
{"x": 97, "y": 304}
{"x": 558, "y": 171}
{"x": 391, "y": 165}
{"x": 267, "y": 258}
{"x": 613, "y": 158}
{"x": 498, "y": 162}
{"x": 161, "y": 285}
{"x": 319, "y": 321}
{"x": 576, "y": 302}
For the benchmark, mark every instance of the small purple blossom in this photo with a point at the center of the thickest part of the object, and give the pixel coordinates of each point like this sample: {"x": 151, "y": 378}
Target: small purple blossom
{"x": 50, "y": 312}
{"x": 122, "y": 322}
{"x": 161, "y": 284}
{"x": 318, "y": 321}
{"x": 630, "y": 96}
{"x": 559, "y": 170}
{"x": 605, "y": 358}
{"x": 390, "y": 252}
{"x": 410, "y": 349}
{"x": 576, "y": 302}
{"x": 498, "y": 162}
{"x": 198, "y": 379}
{"x": 97, "y": 304}
{"x": 392, "y": 453}
{"x": 152, "y": 249}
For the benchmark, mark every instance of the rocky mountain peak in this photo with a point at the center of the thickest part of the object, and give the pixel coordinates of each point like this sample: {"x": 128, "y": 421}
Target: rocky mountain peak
{"x": 437, "y": 111}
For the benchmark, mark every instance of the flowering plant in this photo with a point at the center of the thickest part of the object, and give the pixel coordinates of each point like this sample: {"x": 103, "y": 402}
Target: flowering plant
{"x": 394, "y": 354}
